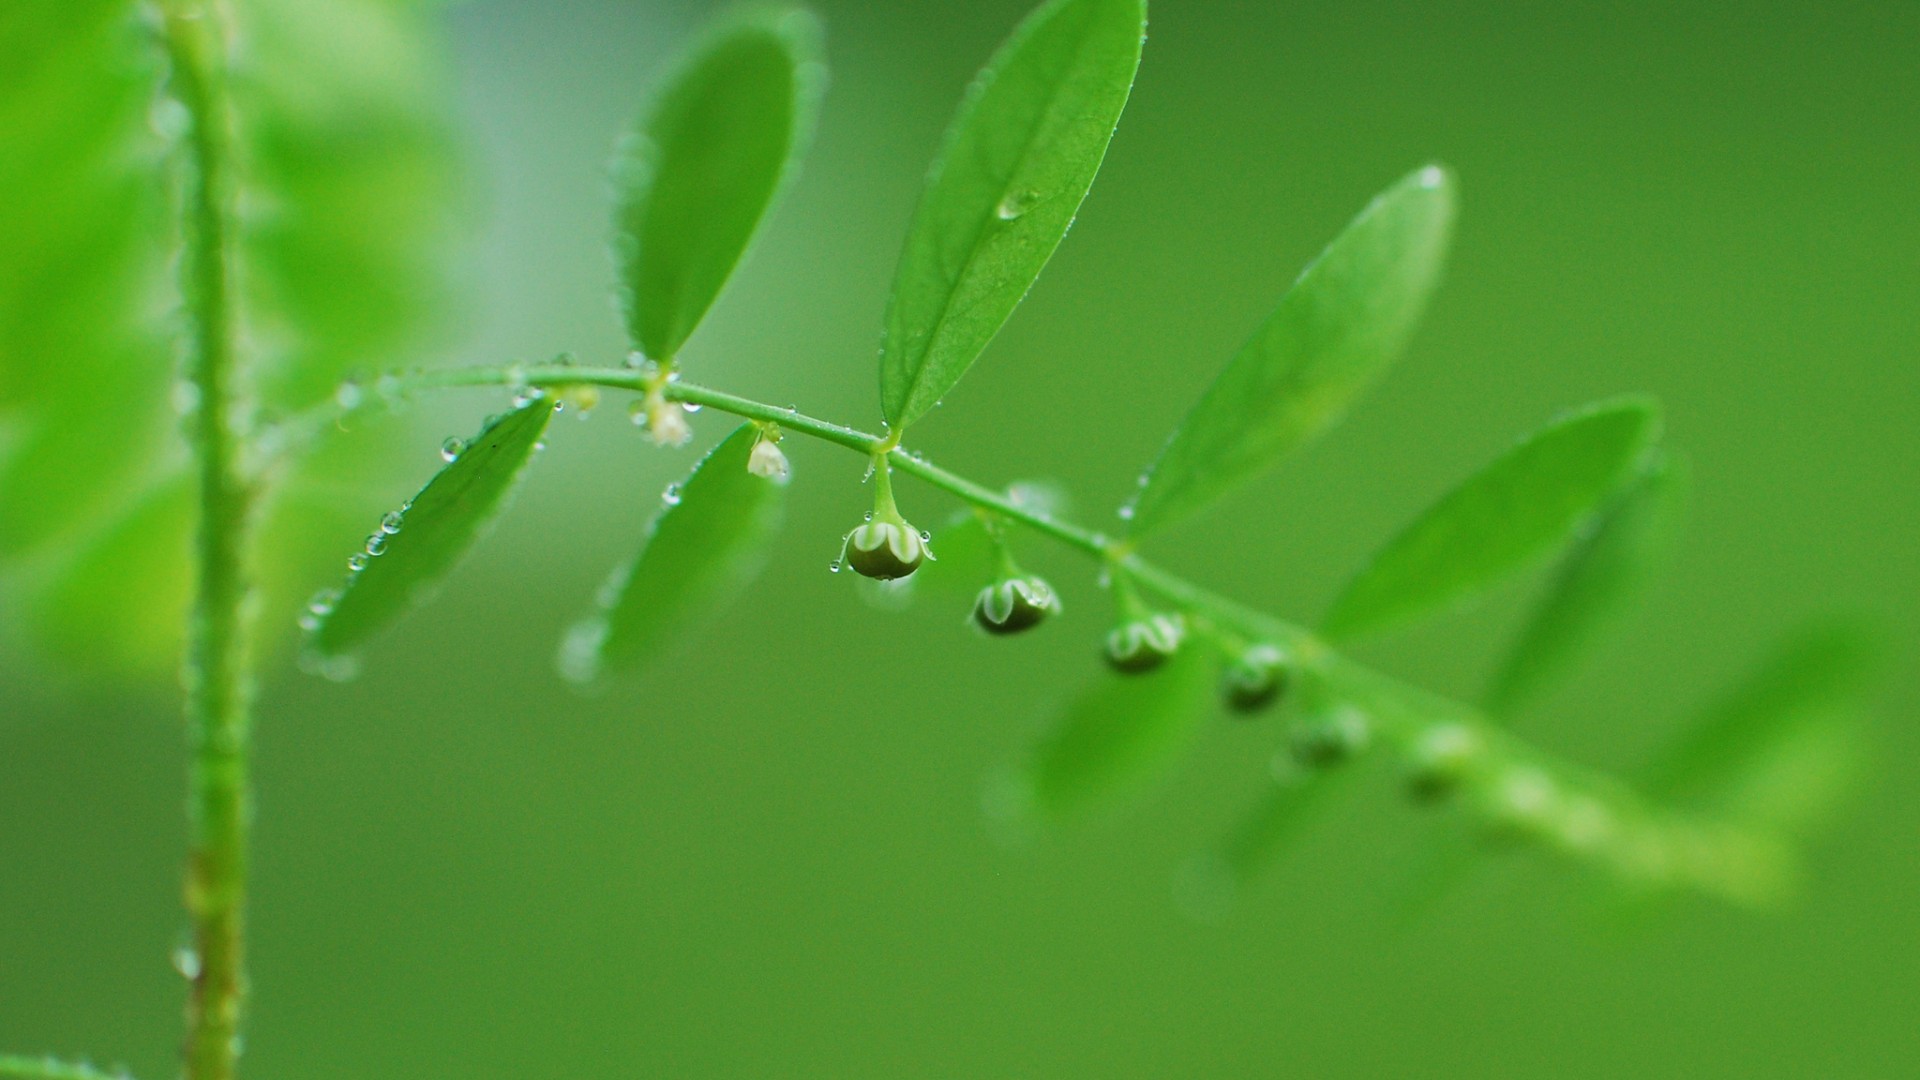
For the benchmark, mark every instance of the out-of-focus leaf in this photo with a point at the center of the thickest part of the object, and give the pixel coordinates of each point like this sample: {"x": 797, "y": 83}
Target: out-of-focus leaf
{"x": 1118, "y": 736}
{"x": 1511, "y": 513}
{"x": 121, "y": 599}
{"x": 1333, "y": 335}
{"x": 349, "y": 192}
{"x": 698, "y": 173}
{"x": 708, "y": 542}
{"x": 1018, "y": 160}
{"x": 1609, "y": 566}
{"x": 1780, "y": 746}
{"x": 428, "y": 535}
{"x": 353, "y": 190}
{"x": 967, "y": 558}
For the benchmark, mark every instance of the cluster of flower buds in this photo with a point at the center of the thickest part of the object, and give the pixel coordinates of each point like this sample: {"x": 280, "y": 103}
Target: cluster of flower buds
{"x": 1014, "y": 604}
{"x": 1145, "y": 641}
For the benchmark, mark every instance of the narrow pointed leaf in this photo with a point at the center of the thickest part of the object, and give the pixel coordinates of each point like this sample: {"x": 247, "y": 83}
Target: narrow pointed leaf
{"x": 1609, "y": 566}
{"x": 1334, "y": 334}
{"x": 698, "y": 173}
{"x": 1119, "y": 735}
{"x": 1512, "y": 513}
{"x": 435, "y": 530}
{"x": 1018, "y": 160}
{"x": 1780, "y": 745}
{"x": 700, "y": 552}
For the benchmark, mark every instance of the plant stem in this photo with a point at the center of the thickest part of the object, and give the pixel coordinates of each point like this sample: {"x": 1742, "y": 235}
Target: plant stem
{"x": 1578, "y": 812}
{"x": 218, "y": 675}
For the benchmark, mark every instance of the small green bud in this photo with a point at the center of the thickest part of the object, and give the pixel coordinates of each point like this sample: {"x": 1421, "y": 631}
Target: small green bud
{"x": 1255, "y": 679}
{"x": 1011, "y": 605}
{"x": 1145, "y": 643}
{"x": 886, "y": 550}
{"x": 1523, "y": 804}
{"x": 1331, "y": 737}
{"x": 1440, "y": 761}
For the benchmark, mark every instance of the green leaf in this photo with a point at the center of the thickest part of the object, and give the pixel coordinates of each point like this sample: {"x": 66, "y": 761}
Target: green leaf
{"x": 434, "y": 530}
{"x": 710, "y": 539}
{"x": 1119, "y": 735}
{"x": 1609, "y": 566}
{"x": 1017, "y": 162}
{"x": 1511, "y": 513}
{"x": 1333, "y": 335}
{"x": 699, "y": 171}
{"x": 1783, "y": 743}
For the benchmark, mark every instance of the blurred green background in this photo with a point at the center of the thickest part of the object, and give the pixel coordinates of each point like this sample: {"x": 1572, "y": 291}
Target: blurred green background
{"x": 769, "y": 859}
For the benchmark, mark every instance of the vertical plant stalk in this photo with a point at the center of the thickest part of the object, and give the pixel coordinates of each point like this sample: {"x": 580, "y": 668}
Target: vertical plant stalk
{"x": 218, "y": 676}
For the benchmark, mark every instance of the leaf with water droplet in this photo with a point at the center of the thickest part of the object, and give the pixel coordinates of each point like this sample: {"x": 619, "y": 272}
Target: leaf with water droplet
{"x": 698, "y": 173}
{"x": 1611, "y": 564}
{"x": 1121, "y": 734}
{"x": 1513, "y": 512}
{"x": 435, "y": 531}
{"x": 701, "y": 550}
{"x": 1017, "y": 162}
{"x": 1334, "y": 334}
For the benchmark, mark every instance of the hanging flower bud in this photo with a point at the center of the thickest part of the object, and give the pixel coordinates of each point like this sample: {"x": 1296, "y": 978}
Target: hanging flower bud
{"x": 1441, "y": 760}
{"x": 665, "y": 421}
{"x": 767, "y": 462}
{"x": 1144, "y": 643}
{"x": 1331, "y": 737}
{"x": 886, "y": 549}
{"x": 1011, "y": 605}
{"x": 1255, "y": 679}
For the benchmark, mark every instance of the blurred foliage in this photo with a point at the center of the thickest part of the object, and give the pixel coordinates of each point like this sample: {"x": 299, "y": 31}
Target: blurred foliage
{"x": 349, "y": 196}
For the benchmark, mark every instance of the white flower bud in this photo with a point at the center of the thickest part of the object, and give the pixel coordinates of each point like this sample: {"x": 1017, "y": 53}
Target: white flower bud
{"x": 767, "y": 462}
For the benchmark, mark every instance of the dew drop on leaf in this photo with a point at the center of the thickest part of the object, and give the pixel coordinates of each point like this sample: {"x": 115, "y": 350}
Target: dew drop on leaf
{"x": 451, "y": 449}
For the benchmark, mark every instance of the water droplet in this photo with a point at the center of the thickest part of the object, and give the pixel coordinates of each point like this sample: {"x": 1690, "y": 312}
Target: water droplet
{"x": 323, "y": 601}
{"x": 691, "y": 407}
{"x": 868, "y": 516}
{"x": 186, "y": 961}
{"x": 1126, "y": 512}
{"x": 390, "y": 523}
{"x": 348, "y": 395}
{"x": 539, "y": 445}
{"x": 671, "y": 496}
{"x": 309, "y": 622}
{"x": 1016, "y": 204}
{"x": 926, "y": 535}
{"x": 834, "y": 566}
{"x": 451, "y": 449}
{"x": 637, "y": 412}
{"x": 357, "y": 561}
{"x": 636, "y": 359}
{"x": 376, "y": 543}
{"x": 1432, "y": 176}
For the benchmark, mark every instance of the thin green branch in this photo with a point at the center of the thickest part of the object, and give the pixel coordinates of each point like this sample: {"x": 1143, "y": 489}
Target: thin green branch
{"x": 1524, "y": 791}
{"x": 218, "y": 665}
{"x": 14, "y": 1067}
